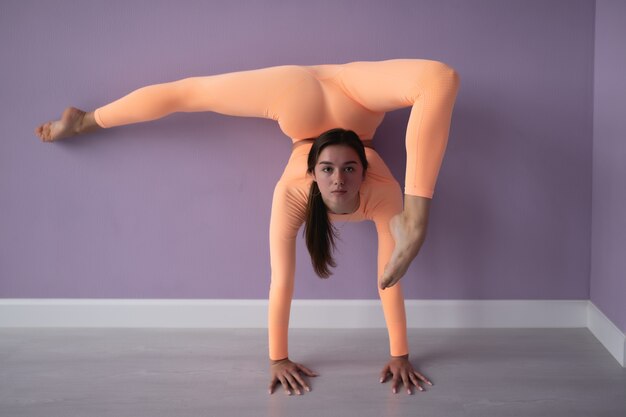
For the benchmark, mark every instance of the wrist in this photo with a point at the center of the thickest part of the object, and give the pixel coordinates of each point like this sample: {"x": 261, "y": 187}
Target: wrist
{"x": 276, "y": 361}
{"x": 401, "y": 356}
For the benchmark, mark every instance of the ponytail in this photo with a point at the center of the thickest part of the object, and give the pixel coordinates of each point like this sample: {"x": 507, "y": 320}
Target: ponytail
{"x": 319, "y": 233}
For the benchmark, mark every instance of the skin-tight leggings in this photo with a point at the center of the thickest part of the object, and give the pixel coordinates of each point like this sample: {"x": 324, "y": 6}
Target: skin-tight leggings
{"x": 307, "y": 101}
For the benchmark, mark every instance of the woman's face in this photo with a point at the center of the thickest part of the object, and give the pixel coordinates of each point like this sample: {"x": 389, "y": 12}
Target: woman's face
{"x": 339, "y": 174}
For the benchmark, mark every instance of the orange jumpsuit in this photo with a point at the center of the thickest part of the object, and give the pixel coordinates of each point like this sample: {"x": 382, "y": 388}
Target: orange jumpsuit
{"x": 306, "y": 101}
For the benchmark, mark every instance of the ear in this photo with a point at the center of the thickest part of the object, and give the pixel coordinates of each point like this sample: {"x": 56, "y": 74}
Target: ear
{"x": 312, "y": 176}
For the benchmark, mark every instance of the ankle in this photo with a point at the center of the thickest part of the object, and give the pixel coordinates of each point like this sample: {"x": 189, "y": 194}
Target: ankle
{"x": 86, "y": 123}
{"x": 416, "y": 211}
{"x": 79, "y": 125}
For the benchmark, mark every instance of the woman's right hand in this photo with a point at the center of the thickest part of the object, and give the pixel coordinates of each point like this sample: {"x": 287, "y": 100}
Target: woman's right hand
{"x": 288, "y": 374}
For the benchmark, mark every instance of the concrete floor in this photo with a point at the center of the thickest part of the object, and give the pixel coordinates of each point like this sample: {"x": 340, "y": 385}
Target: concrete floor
{"x": 199, "y": 372}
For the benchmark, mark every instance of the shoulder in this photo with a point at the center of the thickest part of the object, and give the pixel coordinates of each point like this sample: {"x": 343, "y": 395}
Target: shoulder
{"x": 381, "y": 197}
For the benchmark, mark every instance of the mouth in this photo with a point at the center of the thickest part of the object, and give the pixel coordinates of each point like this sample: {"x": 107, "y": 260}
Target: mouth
{"x": 339, "y": 192}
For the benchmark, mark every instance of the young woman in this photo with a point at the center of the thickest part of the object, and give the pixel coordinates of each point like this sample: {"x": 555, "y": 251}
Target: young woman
{"x": 307, "y": 101}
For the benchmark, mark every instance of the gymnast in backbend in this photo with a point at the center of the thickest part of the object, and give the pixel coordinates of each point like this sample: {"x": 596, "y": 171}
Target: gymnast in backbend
{"x": 331, "y": 113}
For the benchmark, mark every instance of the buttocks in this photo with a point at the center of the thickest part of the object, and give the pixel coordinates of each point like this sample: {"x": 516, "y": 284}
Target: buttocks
{"x": 311, "y": 105}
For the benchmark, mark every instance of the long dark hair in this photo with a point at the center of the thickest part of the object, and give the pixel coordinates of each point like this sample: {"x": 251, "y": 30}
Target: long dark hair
{"x": 319, "y": 232}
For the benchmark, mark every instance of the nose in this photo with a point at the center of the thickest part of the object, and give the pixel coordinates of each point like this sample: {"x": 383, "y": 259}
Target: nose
{"x": 339, "y": 178}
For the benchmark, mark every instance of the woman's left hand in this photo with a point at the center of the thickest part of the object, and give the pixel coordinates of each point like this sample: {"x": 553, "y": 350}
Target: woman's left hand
{"x": 401, "y": 370}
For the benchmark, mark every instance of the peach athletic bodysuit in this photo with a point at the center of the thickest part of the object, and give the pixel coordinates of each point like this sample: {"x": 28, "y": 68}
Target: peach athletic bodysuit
{"x": 307, "y": 101}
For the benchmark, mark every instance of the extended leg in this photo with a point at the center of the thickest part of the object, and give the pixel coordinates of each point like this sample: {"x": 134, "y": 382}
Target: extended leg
{"x": 254, "y": 93}
{"x": 246, "y": 93}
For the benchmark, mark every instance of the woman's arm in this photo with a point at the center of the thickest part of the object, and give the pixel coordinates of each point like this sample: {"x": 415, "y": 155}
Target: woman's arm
{"x": 288, "y": 207}
{"x": 385, "y": 202}
{"x": 288, "y": 211}
{"x": 388, "y": 196}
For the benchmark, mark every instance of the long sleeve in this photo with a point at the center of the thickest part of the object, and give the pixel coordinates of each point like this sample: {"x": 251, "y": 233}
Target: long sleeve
{"x": 288, "y": 211}
{"x": 384, "y": 200}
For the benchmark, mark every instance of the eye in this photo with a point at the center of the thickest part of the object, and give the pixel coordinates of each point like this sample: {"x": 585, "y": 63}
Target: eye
{"x": 327, "y": 169}
{"x": 350, "y": 169}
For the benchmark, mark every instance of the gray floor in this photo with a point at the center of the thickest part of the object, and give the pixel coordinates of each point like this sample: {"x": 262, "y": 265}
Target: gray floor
{"x": 144, "y": 372}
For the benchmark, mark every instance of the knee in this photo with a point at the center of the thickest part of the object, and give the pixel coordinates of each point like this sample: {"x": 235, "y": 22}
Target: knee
{"x": 445, "y": 76}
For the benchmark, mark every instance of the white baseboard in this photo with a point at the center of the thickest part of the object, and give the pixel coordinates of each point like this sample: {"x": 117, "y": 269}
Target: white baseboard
{"x": 117, "y": 313}
{"x": 304, "y": 313}
{"x": 607, "y": 333}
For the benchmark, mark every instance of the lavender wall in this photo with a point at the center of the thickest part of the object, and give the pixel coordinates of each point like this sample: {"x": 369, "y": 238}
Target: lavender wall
{"x": 608, "y": 280}
{"x": 179, "y": 208}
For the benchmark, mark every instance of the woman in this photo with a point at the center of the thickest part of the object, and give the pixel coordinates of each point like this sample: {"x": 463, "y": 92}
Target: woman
{"x": 307, "y": 101}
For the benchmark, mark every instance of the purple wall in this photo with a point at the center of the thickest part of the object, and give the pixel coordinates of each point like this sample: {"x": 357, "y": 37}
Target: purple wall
{"x": 608, "y": 263}
{"x": 179, "y": 208}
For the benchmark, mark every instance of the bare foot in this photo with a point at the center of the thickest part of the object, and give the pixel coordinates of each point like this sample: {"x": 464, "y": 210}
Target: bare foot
{"x": 408, "y": 241}
{"x": 69, "y": 125}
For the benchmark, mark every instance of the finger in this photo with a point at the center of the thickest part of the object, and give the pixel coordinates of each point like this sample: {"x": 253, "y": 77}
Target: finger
{"x": 294, "y": 385}
{"x": 283, "y": 381}
{"x": 423, "y": 378}
{"x": 406, "y": 382}
{"x": 307, "y": 371}
{"x": 272, "y": 385}
{"x": 394, "y": 384}
{"x": 384, "y": 374}
{"x": 301, "y": 381}
{"x": 415, "y": 381}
